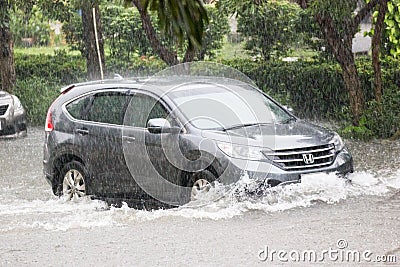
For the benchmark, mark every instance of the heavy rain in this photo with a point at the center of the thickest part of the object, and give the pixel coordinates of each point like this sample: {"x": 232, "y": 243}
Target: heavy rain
{"x": 335, "y": 65}
{"x": 39, "y": 228}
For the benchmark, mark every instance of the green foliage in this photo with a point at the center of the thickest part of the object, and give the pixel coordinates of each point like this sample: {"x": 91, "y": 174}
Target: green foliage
{"x": 123, "y": 32}
{"x": 185, "y": 19}
{"x": 359, "y": 132}
{"x": 214, "y": 33}
{"x": 36, "y": 94}
{"x": 40, "y": 77}
{"x": 271, "y": 28}
{"x": 384, "y": 123}
{"x": 380, "y": 120}
{"x": 126, "y": 39}
{"x": 340, "y": 11}
{"x": 312, "y": 89}
{"x": 58, "y": 69}
{"x": 392, "y": 28}
{"x": 73, "y": 32}
{"x": 143, "y": 66}
{"x": 32, "y": 25}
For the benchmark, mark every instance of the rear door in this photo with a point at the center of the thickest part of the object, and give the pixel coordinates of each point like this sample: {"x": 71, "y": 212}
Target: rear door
{"x": 103, "y": 132}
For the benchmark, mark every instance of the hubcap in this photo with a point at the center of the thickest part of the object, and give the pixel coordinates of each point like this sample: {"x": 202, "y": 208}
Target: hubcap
{"x": 201, "y": 185}
{"x": 73, "y": 185}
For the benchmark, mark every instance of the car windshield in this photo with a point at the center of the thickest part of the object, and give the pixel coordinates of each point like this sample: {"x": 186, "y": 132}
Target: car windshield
{"x": 212, "y": 106}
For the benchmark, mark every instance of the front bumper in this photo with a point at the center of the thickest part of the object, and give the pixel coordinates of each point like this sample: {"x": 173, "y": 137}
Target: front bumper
{"x": 263, "y": 170}
{"x": 13, "y": 124}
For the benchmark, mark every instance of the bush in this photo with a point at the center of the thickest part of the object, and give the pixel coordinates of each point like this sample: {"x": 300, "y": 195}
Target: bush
{"x": 313, "y": 90}
{"x": 143, "y": 66}
{"x": 384, "y": 120}
{"x": 40, "y": 77}
{"x": 36, "y": 94}
{"x": 316, "y": 91}
{"x": 58, "y": 69}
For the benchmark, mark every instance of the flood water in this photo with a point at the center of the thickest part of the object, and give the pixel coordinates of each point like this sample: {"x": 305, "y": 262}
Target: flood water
{"x": 38, "y": 228}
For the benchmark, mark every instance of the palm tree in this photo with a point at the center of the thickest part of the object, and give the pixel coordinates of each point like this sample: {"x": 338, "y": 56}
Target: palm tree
{"x": 185, "y": 19}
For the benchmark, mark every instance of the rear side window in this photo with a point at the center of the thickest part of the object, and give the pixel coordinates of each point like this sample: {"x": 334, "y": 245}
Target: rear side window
{"x": 78, "y": 109}
{"x": 108, "y": 108}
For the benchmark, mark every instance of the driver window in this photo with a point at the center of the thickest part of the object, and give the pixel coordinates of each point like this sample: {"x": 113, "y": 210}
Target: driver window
{"x": 142, "y": 108}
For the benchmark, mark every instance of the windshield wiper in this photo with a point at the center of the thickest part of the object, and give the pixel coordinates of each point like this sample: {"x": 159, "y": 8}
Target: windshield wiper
{"x": 237, "y": 126}
{"x": 288, "y": 120}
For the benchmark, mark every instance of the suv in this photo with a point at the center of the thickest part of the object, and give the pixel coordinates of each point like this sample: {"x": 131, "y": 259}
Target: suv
{"x": 12, "y": 116}
{"x": 168, "y": 139}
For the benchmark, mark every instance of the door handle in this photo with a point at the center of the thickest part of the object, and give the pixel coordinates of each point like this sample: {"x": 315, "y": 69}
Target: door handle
{"x": 82, "y": 131}
{"x": 129, "y": 139}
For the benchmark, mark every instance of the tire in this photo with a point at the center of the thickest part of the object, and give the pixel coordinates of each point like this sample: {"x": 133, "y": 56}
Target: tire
{"x": 196, "y": 183}
{"x": 72, "y": 181}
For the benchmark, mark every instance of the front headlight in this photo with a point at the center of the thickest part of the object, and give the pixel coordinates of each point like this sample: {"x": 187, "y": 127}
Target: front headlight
{"x": 241, "y": 152}
{"x": 17, "y": 104}
{"x": 338, "y": 142}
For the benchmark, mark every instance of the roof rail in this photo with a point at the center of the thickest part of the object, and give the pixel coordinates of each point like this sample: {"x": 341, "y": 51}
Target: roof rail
{"x": 117, "y": 78}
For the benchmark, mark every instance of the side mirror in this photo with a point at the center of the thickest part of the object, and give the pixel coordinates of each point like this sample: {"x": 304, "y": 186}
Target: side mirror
{"x": 159, "y": 125}
{"x": 290, "y": 109}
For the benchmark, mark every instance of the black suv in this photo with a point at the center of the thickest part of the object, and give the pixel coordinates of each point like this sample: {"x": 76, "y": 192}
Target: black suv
{"x": 169, "y": 139}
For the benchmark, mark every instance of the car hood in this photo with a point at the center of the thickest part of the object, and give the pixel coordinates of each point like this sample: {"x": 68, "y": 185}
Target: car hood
{"x": 5, "y": 98}
{"x": 275, "y": 136}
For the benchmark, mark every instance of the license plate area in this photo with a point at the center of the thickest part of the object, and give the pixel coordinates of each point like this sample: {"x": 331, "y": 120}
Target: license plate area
{"x": 312, "y": 175}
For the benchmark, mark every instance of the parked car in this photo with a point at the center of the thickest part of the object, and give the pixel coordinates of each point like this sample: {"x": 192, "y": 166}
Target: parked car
{"x": 12, "y": 116}
{"x": 168, "y": 139}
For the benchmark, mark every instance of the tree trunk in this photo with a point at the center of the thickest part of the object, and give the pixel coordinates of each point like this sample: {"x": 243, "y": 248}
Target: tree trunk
{"x": 7, "y": 68}
{"x": 165, "y": 54}
{"x": 189, "y": 54}
{"x": 354, "y": 90}
{"x": 376, "y": 48}
{"x": 89, "y": 39}
{"x": 342, "y": 50}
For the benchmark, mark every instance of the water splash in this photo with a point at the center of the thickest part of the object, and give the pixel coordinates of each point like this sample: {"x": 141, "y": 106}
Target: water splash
{"x": 58, "y": 215}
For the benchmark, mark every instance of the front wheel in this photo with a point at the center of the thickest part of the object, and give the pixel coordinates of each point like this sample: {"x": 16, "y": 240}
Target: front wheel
{"x": 197, "y": 184}
{"x": 73, "y": 180}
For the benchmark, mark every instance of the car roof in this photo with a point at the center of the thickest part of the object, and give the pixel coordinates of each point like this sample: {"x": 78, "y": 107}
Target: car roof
{"x": 158, "y": 85}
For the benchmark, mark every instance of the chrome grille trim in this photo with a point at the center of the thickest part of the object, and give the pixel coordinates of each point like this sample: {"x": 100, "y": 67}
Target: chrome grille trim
{"x": 309, "y": 166}
{"x": 292, "y": 159}
{"x": 301, "y": 160}
{"x": 300, "y": 152}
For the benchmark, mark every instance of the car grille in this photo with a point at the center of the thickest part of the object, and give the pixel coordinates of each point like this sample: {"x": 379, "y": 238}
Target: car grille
{"x": 303, "y": 158}
{"x": 3, "y": 109}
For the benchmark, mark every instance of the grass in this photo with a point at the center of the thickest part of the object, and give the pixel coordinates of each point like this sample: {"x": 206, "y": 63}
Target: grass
{"x": 233, "y": 50}
{"x": 43, "y": 50}
{"x": 229, "y": 50}
{"x": 303, "y": 53}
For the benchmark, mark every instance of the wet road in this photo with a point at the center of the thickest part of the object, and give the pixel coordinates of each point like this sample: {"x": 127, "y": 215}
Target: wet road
{"x": 323, "y": 213}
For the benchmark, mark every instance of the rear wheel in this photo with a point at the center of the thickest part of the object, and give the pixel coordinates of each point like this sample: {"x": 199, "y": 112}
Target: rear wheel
{"x": 73, "y": 180}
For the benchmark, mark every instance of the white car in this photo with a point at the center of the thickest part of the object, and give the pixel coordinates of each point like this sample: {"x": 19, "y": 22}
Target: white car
{"x": 12, "y": 116}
